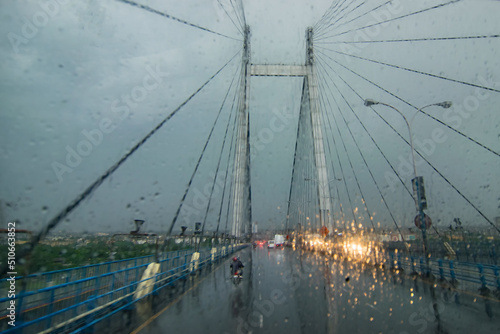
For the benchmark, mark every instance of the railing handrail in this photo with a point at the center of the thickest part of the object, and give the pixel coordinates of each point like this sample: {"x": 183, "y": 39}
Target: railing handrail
{"x": 91, "y": 299}
{"x": 172, "y": 272}
{"x": 36, "y": 275}
{"x": 75, "y": 268}
{"x": 85, "y": 279}
{"x": 23, "y": 294}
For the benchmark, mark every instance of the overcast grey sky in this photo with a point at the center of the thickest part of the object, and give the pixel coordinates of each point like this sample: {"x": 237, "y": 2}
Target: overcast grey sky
{"x": 69, "y": 67}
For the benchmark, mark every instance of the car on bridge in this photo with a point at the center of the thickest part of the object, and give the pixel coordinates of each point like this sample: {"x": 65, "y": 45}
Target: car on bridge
{"x": 279, "y": 240}
{"x": 260, "y": 243}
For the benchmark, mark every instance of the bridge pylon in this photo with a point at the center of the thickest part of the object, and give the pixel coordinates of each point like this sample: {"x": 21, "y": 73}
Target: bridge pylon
{"x": 241, "y": 185}
{"x": 241, "y": 189}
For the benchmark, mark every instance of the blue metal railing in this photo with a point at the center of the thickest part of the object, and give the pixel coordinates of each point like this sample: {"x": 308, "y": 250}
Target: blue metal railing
{"x": 51, "y": 278}
{"x": 86, "y": 301}
{"x": 459, "y": 274}
{"x": 90, "y": 299}
{"x": 476, "y": 274}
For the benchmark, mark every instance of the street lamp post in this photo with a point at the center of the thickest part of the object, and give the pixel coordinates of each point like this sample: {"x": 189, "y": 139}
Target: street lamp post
{"x": 417, "y": 181}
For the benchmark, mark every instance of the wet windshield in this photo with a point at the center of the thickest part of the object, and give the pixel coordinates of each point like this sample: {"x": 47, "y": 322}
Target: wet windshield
{"x": 346, "y": 151}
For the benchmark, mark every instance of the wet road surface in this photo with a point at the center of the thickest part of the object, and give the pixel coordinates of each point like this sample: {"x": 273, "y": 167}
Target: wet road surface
{"x": 287, "y": 291}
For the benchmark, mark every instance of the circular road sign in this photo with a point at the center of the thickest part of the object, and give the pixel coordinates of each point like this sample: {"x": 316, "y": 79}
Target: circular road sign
{"x": 418, "y": 222}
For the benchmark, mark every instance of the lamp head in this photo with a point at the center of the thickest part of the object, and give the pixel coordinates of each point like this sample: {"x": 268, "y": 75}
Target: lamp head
{"x": 370, "y": 102}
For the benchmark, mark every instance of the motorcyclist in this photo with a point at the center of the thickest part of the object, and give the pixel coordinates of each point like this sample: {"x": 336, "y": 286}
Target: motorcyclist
{"x": 236, "y": 267}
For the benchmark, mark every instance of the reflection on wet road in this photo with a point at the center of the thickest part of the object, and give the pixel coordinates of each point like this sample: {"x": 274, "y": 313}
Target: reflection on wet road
{"x": 286, "y": 291}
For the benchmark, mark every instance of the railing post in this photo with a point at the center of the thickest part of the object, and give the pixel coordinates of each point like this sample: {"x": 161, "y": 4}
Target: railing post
{"x": 127, "y": 281}
{"x": 391, "y": 259}
{"x": 113, "y": 287}
{"x": 51, "y": 307}
{"x": 484, "y": 291}
{"x": 19, "y": 311}
{"x": 78, "y": 297}
{"x": 184, "y": 266}
{"x": 481, "y": 276}
{"x": 98, "y": 286}
{"x": 497, "y": 277}
{"x": 452, "y": 271}
{"x": 454, "y": 281}
{"x": 441, "y": 271}
{"x": 91, "y": 304}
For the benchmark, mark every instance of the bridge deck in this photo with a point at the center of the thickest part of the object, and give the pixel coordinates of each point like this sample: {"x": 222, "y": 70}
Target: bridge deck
{"x": 290, "y": 291}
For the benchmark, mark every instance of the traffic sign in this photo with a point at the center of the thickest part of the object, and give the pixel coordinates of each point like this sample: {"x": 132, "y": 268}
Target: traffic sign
{"x": 418, "y": 223}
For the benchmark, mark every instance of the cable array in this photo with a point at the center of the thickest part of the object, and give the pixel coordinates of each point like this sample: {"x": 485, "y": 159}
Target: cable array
{"x": 332, "y": 60}
{"x": 340, "y": 85}
{"x": 168, "y": 16}
{"x": 221, "y": 154}
{"x": 324, "y": 73}
{"x": 107, "y": 174}
{"x": 237, "y": 6}
{"x": 303, "y": 189}
{"x": 391, "y": 19}
{"x": 198, "y": 163}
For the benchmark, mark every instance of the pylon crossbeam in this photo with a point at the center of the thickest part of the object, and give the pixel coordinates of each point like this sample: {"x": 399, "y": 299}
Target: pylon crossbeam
{"x": 278, "y": 70}
{"x": 242, "y": 160}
